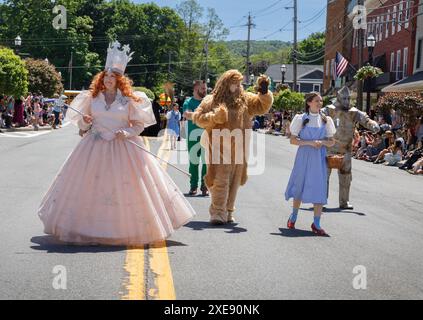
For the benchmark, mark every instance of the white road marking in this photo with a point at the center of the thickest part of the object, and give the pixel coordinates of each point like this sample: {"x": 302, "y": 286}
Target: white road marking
{"x": 28, "y": 134}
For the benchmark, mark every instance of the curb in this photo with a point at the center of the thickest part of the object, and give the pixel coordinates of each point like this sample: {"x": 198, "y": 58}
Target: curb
{"x": 25, "y": 129}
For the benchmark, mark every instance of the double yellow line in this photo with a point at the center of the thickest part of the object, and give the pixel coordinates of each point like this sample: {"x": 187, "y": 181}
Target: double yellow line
{"x": 150, "y": 263}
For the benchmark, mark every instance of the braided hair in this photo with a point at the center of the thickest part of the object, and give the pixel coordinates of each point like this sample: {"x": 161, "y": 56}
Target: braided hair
{"x": 309, "y": 98}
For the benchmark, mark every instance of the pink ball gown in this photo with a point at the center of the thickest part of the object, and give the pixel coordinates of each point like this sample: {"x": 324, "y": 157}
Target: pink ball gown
{"x": 109, "y": 191}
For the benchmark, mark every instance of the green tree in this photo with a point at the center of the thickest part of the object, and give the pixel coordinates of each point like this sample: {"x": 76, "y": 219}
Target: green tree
{"x": 43, "y": 78}
{"x": 13, "y": 74}
{"x": 289, "y": 100}
{"x": 312, "y": 49}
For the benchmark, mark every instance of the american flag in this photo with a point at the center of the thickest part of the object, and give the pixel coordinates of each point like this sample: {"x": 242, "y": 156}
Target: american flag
{"x": 341, "y": 64}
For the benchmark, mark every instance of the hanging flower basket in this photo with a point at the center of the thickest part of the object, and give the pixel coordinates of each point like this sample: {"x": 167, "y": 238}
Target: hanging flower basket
{"x": 368, "y": 72}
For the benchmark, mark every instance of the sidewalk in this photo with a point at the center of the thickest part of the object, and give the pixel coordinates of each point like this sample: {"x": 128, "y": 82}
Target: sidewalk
{"x": 27, "y": 128}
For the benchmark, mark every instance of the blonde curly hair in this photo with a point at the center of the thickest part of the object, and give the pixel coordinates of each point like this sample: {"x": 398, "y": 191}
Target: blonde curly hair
{"x": 222, "y": 93}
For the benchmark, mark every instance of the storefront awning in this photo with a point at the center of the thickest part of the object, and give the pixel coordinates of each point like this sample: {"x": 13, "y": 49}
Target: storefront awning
{"x": 412, "y": 83}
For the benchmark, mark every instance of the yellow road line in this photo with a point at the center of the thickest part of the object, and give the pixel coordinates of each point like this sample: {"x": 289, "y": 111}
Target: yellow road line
{"x": 158, "y": 260}
{"x": 134, "y": 265}
{"x": 160, "y": 266}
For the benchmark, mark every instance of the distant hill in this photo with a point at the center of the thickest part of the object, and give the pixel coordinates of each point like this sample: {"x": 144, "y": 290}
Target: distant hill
{"x": 239, "y": 47}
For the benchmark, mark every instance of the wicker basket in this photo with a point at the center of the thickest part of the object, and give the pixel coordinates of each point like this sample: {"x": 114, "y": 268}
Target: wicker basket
{"x": 335, "y": 161}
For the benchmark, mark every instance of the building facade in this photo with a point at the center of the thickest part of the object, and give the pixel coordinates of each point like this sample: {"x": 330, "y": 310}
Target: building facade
{"x": 393, "y": 24}
{"x": 418, "y": 59}
{"x": 337, "y": 39}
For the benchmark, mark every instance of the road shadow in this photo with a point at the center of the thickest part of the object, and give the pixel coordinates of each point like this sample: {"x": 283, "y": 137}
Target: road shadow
{"x": 187, "y": 195}
{"x": 203, "y": 225}
{"x": 296, "y": 233}
{"x": 169, "y": 244}
{"x": 50, "y": 244}
{"x": 336, "y": 210}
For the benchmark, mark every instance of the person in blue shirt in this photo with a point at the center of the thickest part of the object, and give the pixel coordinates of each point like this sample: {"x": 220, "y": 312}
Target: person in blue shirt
{"x": 57, "y": 109}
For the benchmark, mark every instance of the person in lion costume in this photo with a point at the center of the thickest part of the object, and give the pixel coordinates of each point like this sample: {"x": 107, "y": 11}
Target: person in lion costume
{"x": 226, "y": 115}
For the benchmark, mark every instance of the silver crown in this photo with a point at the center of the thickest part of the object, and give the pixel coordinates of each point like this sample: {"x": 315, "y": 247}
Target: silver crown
{"x": 117, "y": 59}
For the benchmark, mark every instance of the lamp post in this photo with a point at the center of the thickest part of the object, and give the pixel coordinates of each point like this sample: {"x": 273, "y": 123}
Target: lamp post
{"x": 18, "y": 43}
{"x": 371, "y": 43}
{"x": 283, "y": 70}
{"x": 252, "y": 79}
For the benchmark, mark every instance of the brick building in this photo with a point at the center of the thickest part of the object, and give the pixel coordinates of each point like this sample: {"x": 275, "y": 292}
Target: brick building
{"x": 337, "y": 38}
{"x": 393, "y": 24}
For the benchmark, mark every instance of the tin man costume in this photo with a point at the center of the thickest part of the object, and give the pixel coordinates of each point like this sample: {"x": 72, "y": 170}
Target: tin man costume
{"x": 346, "y": 118}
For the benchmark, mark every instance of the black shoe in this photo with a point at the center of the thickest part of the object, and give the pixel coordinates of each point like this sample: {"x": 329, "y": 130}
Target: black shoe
{"x": 193, "y": 192}
{"x": 347, "y": 206}
{"x": 204, "y": 191}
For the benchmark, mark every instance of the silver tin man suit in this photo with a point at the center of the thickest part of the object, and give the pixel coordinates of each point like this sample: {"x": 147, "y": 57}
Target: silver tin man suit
{"x": 346, "y": 118}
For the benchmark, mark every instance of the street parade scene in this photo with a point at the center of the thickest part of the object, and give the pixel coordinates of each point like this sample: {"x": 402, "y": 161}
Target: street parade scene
{"x": 203, "y": 150}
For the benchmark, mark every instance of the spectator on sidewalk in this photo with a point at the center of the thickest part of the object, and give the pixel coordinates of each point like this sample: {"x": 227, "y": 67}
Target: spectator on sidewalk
{"x": 18, "y": 115}
{"x": 419, "y": 129}
{"x": 37, "y": 120}
{"x": 376, "y": 146}
{"x": 395, "y": 153}
{"x": 57, "y": 110}
{"x": 2, "y": 110}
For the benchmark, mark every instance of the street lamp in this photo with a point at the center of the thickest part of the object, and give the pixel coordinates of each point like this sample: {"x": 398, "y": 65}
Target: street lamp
{"x": 18, "y": 43}
{"x": 371, "y": 43}
{"x": 283, "y": 70}
{"x": 46, "y": 60}
{"x": 252, "y": 79}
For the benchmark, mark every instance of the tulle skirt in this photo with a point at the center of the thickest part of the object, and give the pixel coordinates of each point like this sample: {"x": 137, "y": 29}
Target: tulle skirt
{"x": 113, "y": 193}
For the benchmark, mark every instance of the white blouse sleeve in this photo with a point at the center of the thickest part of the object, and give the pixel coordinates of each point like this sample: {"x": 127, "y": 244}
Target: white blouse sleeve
{"x": 296, "y": 125}
{"x": 168, "y": 115}
{"x": 142, "y": 110}
{"x": 330, "y": 128}
{"x": 81, "y": 104}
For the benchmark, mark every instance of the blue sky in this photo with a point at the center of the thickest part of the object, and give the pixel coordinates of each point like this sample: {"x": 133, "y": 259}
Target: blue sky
{"x": 268, "y": 22}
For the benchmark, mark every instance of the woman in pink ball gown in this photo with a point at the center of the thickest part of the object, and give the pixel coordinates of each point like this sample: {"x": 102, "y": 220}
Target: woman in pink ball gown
{"x": 109, "y": 191}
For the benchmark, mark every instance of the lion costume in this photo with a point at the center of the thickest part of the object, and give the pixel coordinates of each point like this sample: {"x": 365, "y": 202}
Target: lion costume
{"x": 224, "y": 112}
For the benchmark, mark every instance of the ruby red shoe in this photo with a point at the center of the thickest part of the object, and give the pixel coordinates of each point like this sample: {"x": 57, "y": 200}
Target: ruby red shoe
{"x": 319, "y": 232}
{"x": 290, "y": 224}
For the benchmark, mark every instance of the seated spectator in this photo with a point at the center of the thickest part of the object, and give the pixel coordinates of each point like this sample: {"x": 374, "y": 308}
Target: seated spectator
{"x": 374, "y": 148}
{"x": 419, "y": 129}
{"x": 412, "y": 157}
{"x": 389, "y": 139}
{"x": 417, "y": 167}
{"x": 366, "y": 139}
{"x": 411, "y": 137}
{"x": 256, "y": 124}
{"x": 395, "y": 153}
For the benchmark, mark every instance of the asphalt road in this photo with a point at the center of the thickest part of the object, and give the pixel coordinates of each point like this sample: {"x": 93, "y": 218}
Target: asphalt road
{"x": 256, "y": 258}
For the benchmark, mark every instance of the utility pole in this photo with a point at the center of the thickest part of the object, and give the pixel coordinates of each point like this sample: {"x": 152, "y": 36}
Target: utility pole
{"x": 295, "y": 45}
{"x": 360, "y": 63}
{"x": 247, "y": 71}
